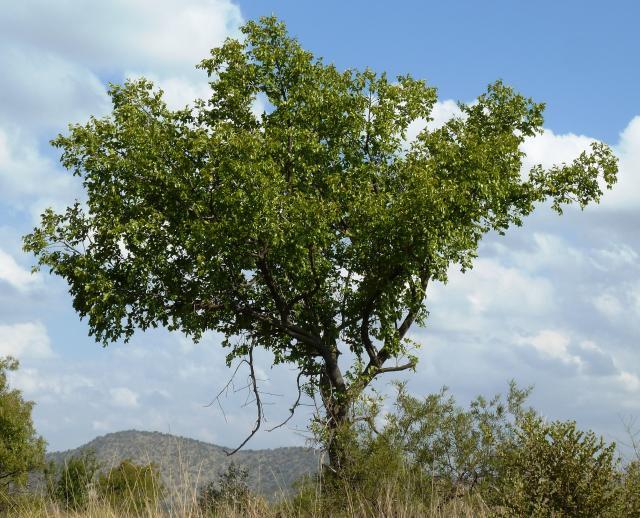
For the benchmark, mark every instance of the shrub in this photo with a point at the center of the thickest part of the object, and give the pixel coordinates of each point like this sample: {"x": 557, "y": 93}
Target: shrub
{"x": 452, "y": 446}
{"x": 629, "y": 503}
{"x": 554, "y": 469}
{"x": 230, "y": 491}
{"x": 70, "y": 484}
{"x": 131, "y": 488}
{"x": 21, "y": 449}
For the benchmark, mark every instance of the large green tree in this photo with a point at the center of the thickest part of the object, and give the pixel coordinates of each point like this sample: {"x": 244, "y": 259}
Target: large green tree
{"x": 309, "y": 229}
{"x": 21, "y": 449}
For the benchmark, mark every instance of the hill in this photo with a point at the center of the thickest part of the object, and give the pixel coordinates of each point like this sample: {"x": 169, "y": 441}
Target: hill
{"x": 188, "y": 463}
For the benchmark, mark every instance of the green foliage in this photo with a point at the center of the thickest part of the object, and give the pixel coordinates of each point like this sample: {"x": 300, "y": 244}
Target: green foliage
{"x": 132, "y": 488}
{"x": 71, "y": 483}
{"x": 432, "y": 452}
{"x": 456, "y": 447}
{"x": 556, "y": 469}
{"x": 311, "y": 229}
{"x": 230, "y": 492}
{"x": 630, "y": 491}
{"x": 21, "y": 449}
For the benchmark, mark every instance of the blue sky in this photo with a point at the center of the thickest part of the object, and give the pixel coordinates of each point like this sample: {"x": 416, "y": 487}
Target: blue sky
{"x": 555, "y": 303}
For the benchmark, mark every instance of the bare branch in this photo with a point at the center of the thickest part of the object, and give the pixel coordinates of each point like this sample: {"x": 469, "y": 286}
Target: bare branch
{"x": 296, "y": 403}
{"x": 409, "y": 365}
{"x": 225, "y": 390}
{"x": 258, "y": 401}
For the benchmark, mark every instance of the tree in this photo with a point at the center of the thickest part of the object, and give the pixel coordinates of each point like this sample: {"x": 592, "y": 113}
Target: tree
{"x": 230, "y": 491}
{"x": 21, "y": 449}
{"x": 132, "y": 488}
{"x": 70, "y": 483}
{"x": 310, "y": 229}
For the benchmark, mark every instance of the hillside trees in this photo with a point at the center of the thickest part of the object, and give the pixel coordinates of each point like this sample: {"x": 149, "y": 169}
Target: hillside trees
{"x": 312, "y": 229}
{"x": 21, "y": 449}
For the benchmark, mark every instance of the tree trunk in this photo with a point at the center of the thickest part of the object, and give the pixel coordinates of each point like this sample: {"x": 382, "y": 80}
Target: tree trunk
{"x": 337, "y": 404}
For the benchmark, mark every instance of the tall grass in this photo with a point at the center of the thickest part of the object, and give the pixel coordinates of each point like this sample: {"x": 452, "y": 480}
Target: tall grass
{"x": 391, "y": 501}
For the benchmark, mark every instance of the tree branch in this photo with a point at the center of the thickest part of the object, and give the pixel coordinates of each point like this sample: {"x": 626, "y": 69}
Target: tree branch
{"x": 296, "y": 403}
{"x": 276, "y": 294}
{"x": 254, "y": 384}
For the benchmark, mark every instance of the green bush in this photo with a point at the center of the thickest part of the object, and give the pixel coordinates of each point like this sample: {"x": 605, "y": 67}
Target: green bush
{"x": 21, "y": 449}
{"x": 131, "y": 488}
{"x": 431, "y": 453}
{"x": 71, "y": 484}
{"x": 629, "y": 501}
{"x": 554, "y": 469}
{"x": 229, "y": 492}
{"x": 454, "y": 447}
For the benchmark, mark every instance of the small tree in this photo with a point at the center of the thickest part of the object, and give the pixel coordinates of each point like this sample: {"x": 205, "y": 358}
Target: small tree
{"x": 229, "y": 492}
{"x": 310, "y": 229}
{"x": 70, "y": 483}
{"x": 21, "y": 449}
{"x": 456, "y": 447}
{"x": 132, "y": 488}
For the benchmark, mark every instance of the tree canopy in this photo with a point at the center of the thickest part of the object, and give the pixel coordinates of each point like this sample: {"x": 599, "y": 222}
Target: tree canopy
{"x": 289, "y": 211}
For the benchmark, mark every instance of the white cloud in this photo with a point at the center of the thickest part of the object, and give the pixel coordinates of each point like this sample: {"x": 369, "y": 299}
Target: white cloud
{"x": 629, "y": 381}
{"x": 45, "y": 91}
{"x": 549, "y": 149}
{"x": 609, "y": 305}
{"x": 489, "y": 291}
{"x": 442, "y": 111}
{"x": 177, "y": 91}
{"x": 614, "y": 257}
{"x": 43, "y": 384}
{"x": 12, "y": 273}
{"x": 28, "y": 180}
{"x": 124, "y": 397}
{"x": 551, "y": 344}
{"x": 25, "y": 340}
{"x": 162, "y": 35}
{"x": 625, "y": 194}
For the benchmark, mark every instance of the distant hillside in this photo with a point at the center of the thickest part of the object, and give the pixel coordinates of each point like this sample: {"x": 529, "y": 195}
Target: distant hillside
{"x": 187, "y": 463}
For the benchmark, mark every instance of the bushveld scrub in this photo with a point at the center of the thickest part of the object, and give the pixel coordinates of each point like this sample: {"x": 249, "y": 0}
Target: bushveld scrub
{"x": 428, "y": 457}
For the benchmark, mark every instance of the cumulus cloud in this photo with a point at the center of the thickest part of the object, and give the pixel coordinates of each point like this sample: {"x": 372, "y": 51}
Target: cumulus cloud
{"x": 30, "y": 181}
{"x": 44, "y": 91}
{"x": 25, "y": 340}
{"x": 550, "y": 148}
{"x": 442, "y": 112}
{"x": 474, "y": 300}
{"x": 551, "y": 344}
{"x": 626, "y": 193}
{"x": 47, "y": 386}
{"x": 13, "y": 274}
{"x": 162, "y": 35}
{"x": 124, "y": 397}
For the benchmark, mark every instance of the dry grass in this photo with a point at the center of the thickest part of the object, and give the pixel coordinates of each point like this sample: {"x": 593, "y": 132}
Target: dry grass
{"x": 388, "y": 504}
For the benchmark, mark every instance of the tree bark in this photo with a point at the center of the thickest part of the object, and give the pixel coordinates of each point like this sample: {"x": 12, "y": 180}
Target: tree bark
{"x": 337, "y": 401}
